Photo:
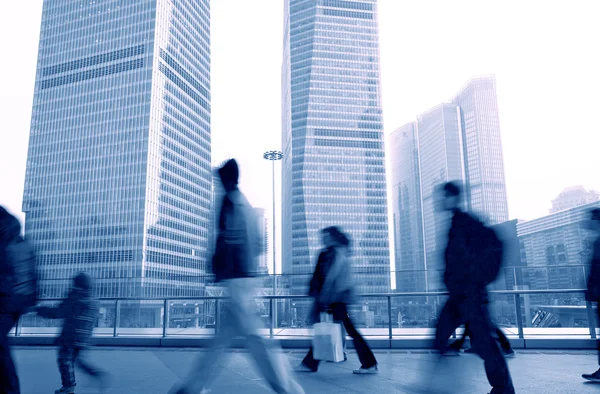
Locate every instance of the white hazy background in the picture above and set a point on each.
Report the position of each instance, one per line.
(544, 53)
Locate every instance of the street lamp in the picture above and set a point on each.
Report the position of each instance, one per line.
(273, 156)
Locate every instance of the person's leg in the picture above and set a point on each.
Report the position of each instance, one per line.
(486, 347)
(9, 380)
(270, 359)
(459, 343)
(449, 320)
(310, 362)
(65, 365)
(365, 355)
(503, 341)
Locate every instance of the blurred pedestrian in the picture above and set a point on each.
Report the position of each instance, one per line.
(593, 285)
(502, 340)
(79, 312)
(18, 288)
(234, 265)
(333, 290)
(466, 276)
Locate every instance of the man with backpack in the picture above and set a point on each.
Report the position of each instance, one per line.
(18, 287)
(234, 264)
(473, 257)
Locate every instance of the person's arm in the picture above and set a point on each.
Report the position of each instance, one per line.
(56, 312)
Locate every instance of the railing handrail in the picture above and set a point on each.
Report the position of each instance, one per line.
(298, 296)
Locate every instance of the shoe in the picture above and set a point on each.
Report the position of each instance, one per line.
(451, 353)
(304, 368)
(180, 390)
(366, 371)
(594, 377)
(65, 390)
(510, 354)
(470, 351)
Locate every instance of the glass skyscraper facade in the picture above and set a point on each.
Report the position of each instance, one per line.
(333, 142)
(118, 180)
(440, 160)
(457, 141)
(407, 210)
(483, 149)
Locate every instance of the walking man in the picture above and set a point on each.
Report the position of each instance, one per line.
(464, 278)
(234, 265)
(593, 285)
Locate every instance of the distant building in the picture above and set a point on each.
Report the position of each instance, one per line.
(574, 196)
(263, 227)
(484, 164)
(456, 141)
(555, 249)
(440, 148)
(406, 208)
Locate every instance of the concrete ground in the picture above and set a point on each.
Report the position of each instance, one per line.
(155, 370)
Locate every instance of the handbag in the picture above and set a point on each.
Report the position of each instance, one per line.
(327, 341)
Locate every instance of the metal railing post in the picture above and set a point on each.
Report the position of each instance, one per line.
(389, 303)
(271, 316)
(18, 327)
(591, 319)
(165, 318)
(217, 315)
(117, 318)
(519, 315)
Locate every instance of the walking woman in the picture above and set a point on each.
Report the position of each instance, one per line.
(332, 289)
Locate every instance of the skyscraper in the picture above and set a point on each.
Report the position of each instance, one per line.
(484, 169)
(118, 179)
(263, 228)
(458, 141)
(440, 160)
(333, 143)
(406, 208)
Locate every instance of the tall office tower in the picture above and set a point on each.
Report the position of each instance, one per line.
(440, 160)
(484, 168)
(118, 179)
(573, 196)
(406, 208)
(333, 142)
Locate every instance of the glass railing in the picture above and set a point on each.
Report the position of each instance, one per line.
(520, 313)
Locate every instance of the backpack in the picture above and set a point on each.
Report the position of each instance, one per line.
(491, 250)
(22, 280)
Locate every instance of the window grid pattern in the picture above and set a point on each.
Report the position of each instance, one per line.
(95, 174)
(333, 144)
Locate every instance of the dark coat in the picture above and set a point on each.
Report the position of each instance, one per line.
(238, 243)
(461, 276)
(80, 314)
(331, 282)
(593, 285)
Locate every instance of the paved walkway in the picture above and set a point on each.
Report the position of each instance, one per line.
(149, 371)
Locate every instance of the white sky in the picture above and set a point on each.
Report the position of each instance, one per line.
(545, 55)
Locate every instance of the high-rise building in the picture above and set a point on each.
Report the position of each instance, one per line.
(458, 141)
(118, 179)
(406, 208)
(263, 228)
(573, 196)
(484, 164)
(440, 148)
(333, 142)
(557, 248)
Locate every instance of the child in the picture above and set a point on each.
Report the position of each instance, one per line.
(80, 313)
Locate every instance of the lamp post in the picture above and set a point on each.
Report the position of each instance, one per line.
(273, 156)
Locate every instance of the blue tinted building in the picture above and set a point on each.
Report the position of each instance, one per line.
(118, 179)
(333, 142)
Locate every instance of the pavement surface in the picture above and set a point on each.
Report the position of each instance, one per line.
(155, 370)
